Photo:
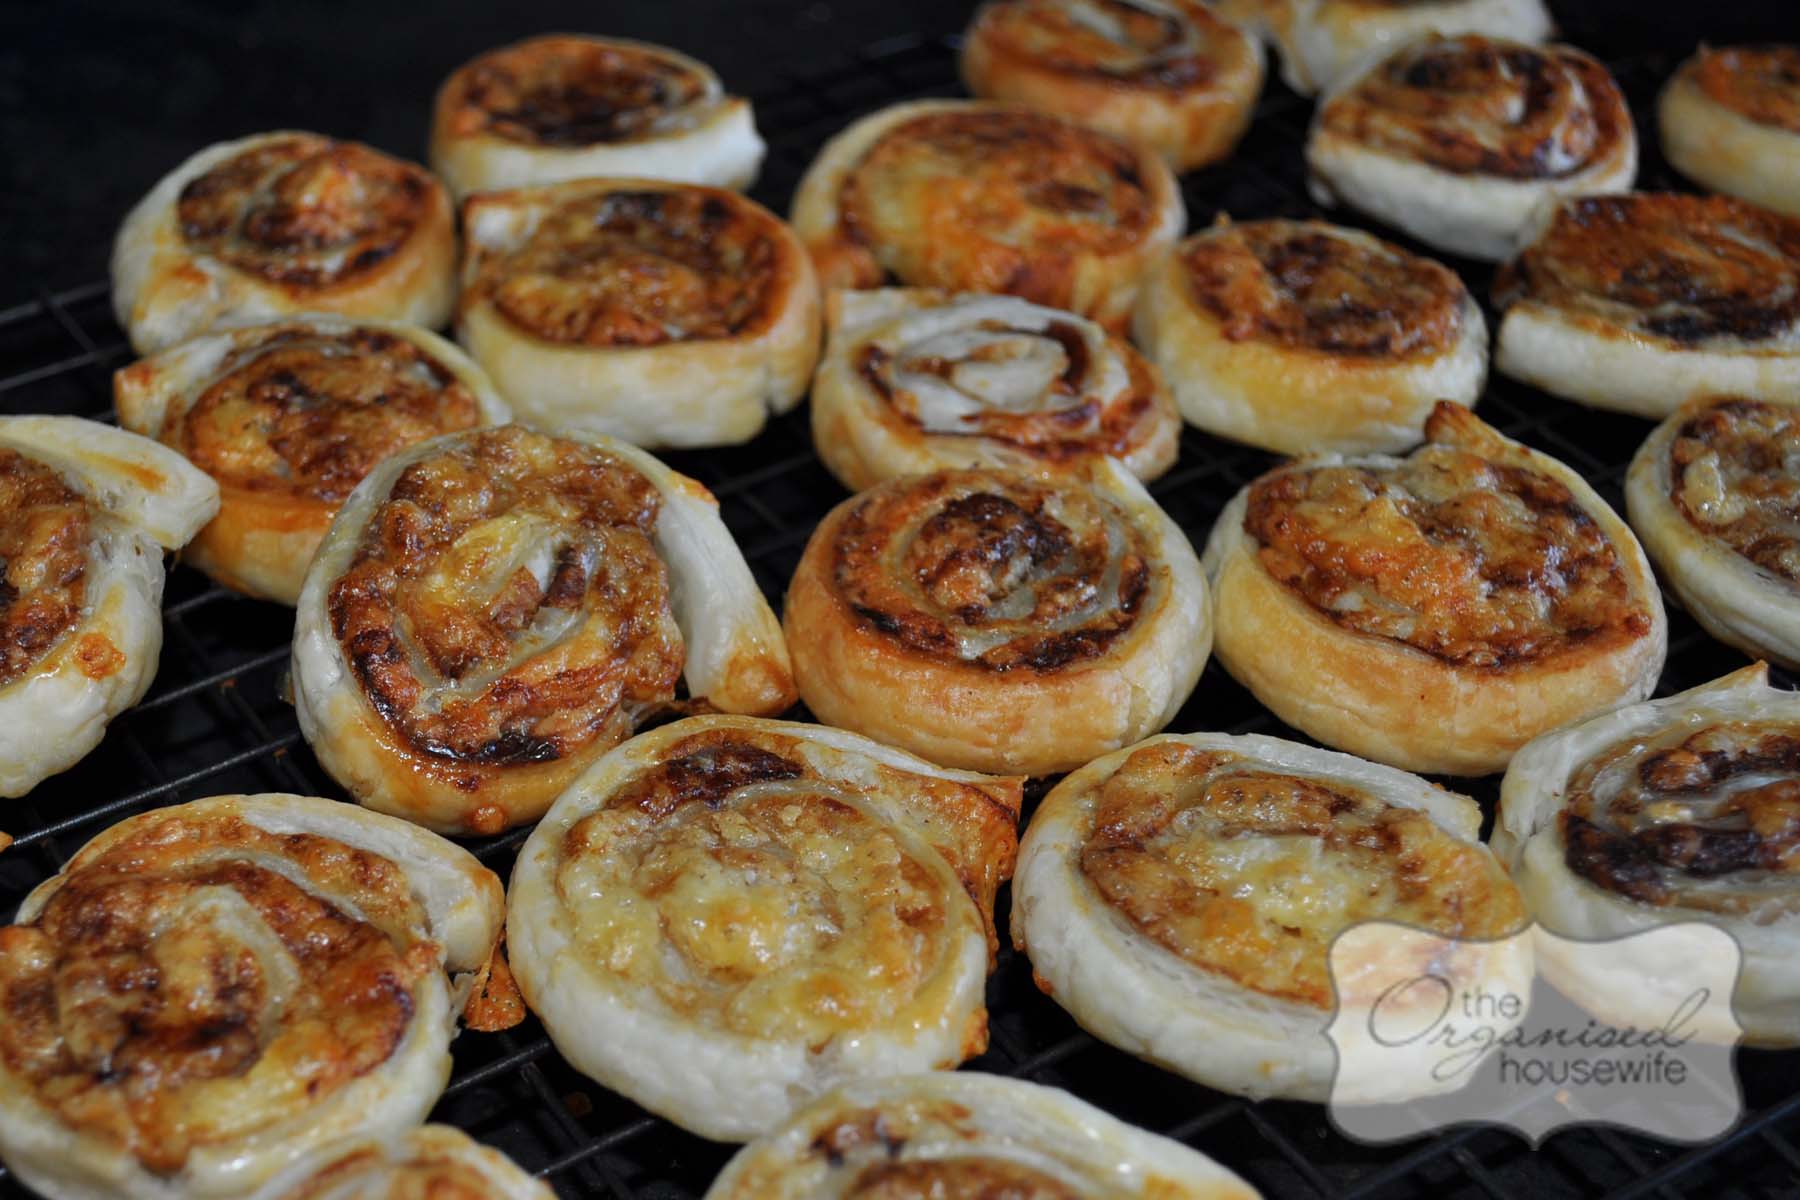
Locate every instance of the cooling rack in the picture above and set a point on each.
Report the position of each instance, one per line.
(215, 721)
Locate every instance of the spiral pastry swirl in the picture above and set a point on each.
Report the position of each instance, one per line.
(729, 915)
(1032, 622)
(1730, 119)
(493, 610)
(283, 223)
(207, 992)
(437, 1162)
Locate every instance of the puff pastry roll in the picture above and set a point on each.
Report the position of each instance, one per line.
(566, 106)
(1458, 140)
(967, 1135)
(435, 1161)
(1180, 897)
(983, 197)
(661, 313)
(283, 223)
(86, 511)
(1028, 623)
(1681, 809)
(727, 916)
(916, 380)
(1639, 303)
(491, 611)
(1434, 612)
(1730, 120)
(209, 992)
(1167, 73)
(1298, 336)
(287, 417)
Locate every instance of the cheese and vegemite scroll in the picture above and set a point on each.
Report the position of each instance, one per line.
(1458, 140)
(974, 196)
(1639, 303)
(566, 106)
(1167, 73)
(1730, 120)
(966, 1134)
(1681, 809)
(727, 916)
(997, 620)
(916, 380)
(208, 992)
(278, 224)
(1299, 336)
(665, 314)
(1180, 898)
(287, 417)
(491, 611)
(1438, 611)
(438, 1162)
(86, 511)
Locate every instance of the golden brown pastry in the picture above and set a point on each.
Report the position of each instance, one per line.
(1437, 611)
(491, 611)
(206, 993)
(661, 313)
(999, 621)
(287, 417)
(278, 224)
(727, 916)
(568, 106)
(432, 1162)
(916, 380)
(1639, 303)
(1458, 140)
(1168, 73)
(1297, 336)
(980, 197)
(1730, 120)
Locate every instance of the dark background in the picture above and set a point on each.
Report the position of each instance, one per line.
(98, 100)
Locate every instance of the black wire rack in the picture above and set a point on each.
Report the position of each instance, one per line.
(215, 722)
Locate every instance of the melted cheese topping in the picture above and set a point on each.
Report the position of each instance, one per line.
(304, 211)
(1708, 821)
(1475, 105)
(995, 570)
(1307, 286)
(1734, 471)
(1761, 83)
(45, 527)
(1171, 47)
(1250, 873)
(507, 604)
(368, 1174)
(970, 1178)
(1694, 271)
(202, 980)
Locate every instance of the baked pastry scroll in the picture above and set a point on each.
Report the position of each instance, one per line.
(727, 916)
(278, 224)
(435, 1161)
(209, 992)
(1730, 120)
(1438, 611)
(491, 611)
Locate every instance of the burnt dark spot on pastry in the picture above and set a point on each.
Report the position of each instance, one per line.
(571, 92)
(707, 769)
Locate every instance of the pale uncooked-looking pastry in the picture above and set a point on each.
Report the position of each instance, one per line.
(965, 1134)
(915, 380)
(1638, 303)
(974, 196)
(207, 993)
(727, 916)
(1458, 140)
(1730, 119)
(287, 417)
(86, 511)
(1299, 336)
(278, 224)
(1000, 621)
(432, 1162)
(1180, 898)
(1437, 611)
(1681, 809)
(568, 106)
(1168, 73)
(665, 314)
(491, 611)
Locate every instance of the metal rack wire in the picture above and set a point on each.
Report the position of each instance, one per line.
(215, 722)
